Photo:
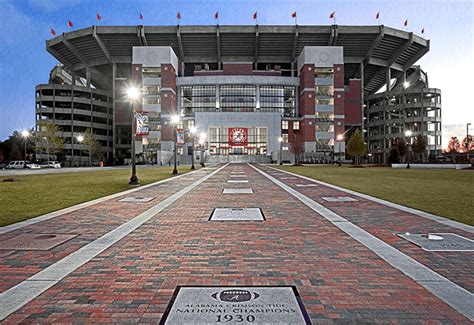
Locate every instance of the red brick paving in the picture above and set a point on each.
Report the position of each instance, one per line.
(385, 222)
(134, 280)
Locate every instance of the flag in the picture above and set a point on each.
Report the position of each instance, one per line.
(178, 15)
(98, 17)
(255, 15)
(53, 32)
(332, 15)
(422, 30)
(377, 16)
(141, 16)
(216, 15)
(405, 23)
(293, 15)
(69, 23)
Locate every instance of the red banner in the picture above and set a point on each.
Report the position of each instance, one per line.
(238, 136)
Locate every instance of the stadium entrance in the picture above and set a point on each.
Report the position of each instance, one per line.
(238, 140)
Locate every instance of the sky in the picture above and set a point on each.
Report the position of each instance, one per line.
(25, 26)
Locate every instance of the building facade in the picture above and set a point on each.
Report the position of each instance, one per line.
(236, 89)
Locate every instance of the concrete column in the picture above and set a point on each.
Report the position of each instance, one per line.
(257, 95)
(388, 77)
(366, 135)
(114, 75)
(88, 76)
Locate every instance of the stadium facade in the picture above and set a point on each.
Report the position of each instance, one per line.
(243, 88)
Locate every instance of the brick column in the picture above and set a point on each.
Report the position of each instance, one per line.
(168, 100)
(307, 106)
(339, 117)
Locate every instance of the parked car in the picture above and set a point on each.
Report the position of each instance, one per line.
(51, 164)
(3, 165)
(33, 166)
(16, 164)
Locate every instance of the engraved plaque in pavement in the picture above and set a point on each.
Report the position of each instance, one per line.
(446, 242)
(132, 199)
(35, 242)
(237, 305)
(306, 185)
(238, 175)
(237, 214)
(237, 191)
(339, 199)
(237, 181)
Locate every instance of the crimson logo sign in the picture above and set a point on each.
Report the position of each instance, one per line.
(235, 295)
(238, 136)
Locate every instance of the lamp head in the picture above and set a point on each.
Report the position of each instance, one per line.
(406, 84)
(80, 138)
(280, 139)
(133, 93)
(25, 133)
(175, 119)
(408, 133)
(193, 130)
(339, 137)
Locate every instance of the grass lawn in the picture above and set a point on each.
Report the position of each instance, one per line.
(447, 193)
(33, 195)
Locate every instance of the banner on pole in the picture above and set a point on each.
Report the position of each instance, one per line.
(180, 137)
(143, 126)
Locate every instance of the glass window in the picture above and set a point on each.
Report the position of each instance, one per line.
(324, 127)
(323, 72)
(152, 72)
(237, 98)
(278, 98)
(296, 125)
(284, 125)
(324, 90)
(197, 99)
(219, 142)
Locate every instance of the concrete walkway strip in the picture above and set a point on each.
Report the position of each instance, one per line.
(19, 295)
(439, 219)
(449, 292)
(73, 208)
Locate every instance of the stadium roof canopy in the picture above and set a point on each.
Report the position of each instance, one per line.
(377, 47)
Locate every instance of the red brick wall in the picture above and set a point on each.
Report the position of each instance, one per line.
(168, 99)
(353, 105)
(306, 102)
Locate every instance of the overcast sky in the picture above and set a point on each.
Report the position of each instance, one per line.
(25, 26)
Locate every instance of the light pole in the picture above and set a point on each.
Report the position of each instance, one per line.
(80, 139)
(408, 134)
(280, 139)
(201, 144)
(339, 139)
(133, 94)
(25, 134)
(175, 121)
(467, 141)
(193, 132)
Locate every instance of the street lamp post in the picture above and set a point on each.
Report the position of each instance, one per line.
(408, 134)
(175, 121)
(339, 139)
(25, 134)
(201, 144)
(193, 132)
(280, 139)
(133, 94)
(80, 139)
(467, 141)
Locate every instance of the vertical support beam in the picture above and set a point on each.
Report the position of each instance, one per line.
(256, 48)
(114, 131)
(219, 59)
(388, 78)
(88, 77)
(73, 77)
(363, 125)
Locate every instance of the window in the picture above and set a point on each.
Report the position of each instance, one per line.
(284, 125)
(197, 99)
(325, 101)
(151, 72)
(219, 142)
(296, 125)
(278, 98)
(237, 98)
(324, 90)
(324, 127)
(324, 116)
(323, 72)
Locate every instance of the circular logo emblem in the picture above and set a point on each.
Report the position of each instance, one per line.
(324, 56)
(238, 135)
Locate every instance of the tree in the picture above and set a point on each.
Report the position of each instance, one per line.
(453, 147)
(94, 148)
(356, 146)
(50, 139)
(402, 146)
(419, 145)
(465, 141)
(394, 155)
(297, 148)
(15, 153)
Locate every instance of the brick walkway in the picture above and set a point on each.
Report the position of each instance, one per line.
(337, 277)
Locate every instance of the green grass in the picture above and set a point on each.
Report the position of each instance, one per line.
(447, 193)
(33, 195)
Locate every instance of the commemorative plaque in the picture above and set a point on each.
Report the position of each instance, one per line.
(440, 242)
(236, 305)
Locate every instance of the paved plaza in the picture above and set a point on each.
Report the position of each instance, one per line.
(333, 255)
